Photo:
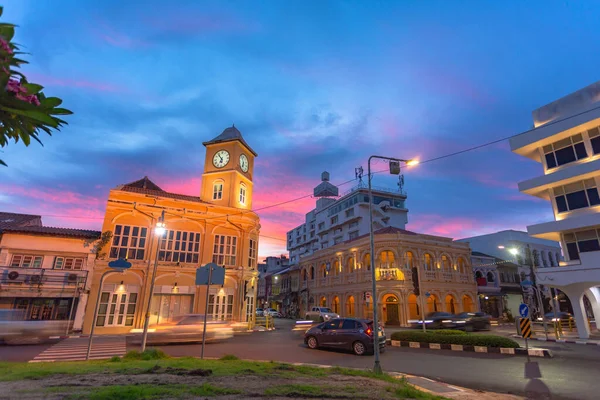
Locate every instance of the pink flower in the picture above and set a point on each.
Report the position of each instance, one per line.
(5, 46)
(15, 87)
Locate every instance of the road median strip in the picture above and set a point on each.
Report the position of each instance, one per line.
(477, 349)
(570, 341)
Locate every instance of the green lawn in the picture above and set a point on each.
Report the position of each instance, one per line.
(130, 378)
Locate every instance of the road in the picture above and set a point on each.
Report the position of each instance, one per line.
(572, 374)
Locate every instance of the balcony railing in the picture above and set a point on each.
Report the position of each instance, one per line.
(11, 277)
(364, 185)
(430, 275)
(447, 276)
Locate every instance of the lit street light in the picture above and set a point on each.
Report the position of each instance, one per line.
(394, 169)
(159, 230)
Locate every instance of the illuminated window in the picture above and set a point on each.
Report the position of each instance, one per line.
(218, 190)
(428, 262)
(252, 253)
(576, 195)
(180, 246)
(242, 194)
(224, 250)
(565, 151)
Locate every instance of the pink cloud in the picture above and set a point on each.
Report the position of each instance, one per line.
(117, 39)
(524, 197)
(457, 227)
(52, 196)
(488, 180)
(46, 80)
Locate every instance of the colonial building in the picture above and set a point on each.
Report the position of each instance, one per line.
(487, 277)
(340, 277)
(45, 271)
(217, 226)
(566, 142)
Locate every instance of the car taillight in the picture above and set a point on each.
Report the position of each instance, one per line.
(369, 332)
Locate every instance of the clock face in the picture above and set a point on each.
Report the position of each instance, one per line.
(221, 158)
(244, 163)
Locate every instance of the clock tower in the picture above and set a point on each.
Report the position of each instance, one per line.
(228, 168)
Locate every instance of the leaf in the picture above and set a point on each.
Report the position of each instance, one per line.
(32, 88)
(60, 111)
(8, 32)
(51, 102)
(36, 115)
(3, 163)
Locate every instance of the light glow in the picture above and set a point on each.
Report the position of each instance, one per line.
(513, 251)
(412, 162)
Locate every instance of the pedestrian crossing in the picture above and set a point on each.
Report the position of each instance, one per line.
(75, 349)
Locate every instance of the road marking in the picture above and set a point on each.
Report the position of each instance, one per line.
(75, 349)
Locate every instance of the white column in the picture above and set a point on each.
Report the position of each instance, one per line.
(581, 321)
(593, 295)
(80, 312)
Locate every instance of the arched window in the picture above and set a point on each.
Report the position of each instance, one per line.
(428, 260)
(451, 304)
(242, 193)
(335, 304)
(461, 265)
(409, 259)
(478, 275)
(217, 190)
(367, 261)
(323, 302)
(490, 277)
(312, 272)
(303, 274)
(446, 263)
(386, 259)
(350, 265)
(350, 306)
(337, 268)
(324, 270)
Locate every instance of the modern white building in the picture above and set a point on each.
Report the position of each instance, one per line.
(566, 142)
(336, 220)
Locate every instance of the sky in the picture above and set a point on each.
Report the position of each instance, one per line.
(312, 85)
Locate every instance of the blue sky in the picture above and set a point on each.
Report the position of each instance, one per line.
(312, 85)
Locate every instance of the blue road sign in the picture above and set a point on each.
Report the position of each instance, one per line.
(427, 294)
(526, 283)
(523, 310)
(120, 264)
(217, 276)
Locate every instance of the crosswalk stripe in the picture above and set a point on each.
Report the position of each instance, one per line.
(75, 349)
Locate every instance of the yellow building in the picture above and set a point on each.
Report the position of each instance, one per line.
(218, 226)
(339, 277)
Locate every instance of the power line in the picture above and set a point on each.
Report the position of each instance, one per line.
(375, 172)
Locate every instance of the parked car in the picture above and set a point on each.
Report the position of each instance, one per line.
(272, 312)
(560, 316)
(259, 312)
(439, 320)
(14, 329)
(187, 328)
(475, 321)
(321, 314)
(352, 334)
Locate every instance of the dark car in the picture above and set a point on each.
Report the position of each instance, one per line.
(345, 333)
(475, 321)
(560, 316)
(438, 320)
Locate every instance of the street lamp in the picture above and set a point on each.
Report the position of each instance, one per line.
(394, 169)
(159, 230)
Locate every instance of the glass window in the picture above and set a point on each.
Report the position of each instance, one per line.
(180, 246)
(353, 235)
(349, 324)
(350, 213)
(68, 263)
(333, 324)
(129, 242)
(594, 135)
(334, 219)
(26, 261)
(565, 151)
(576, 195)
(252, 253)
(243, 195)
(217, 190)
(224, 250)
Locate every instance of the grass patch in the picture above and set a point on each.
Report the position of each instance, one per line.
(229, 357)
(407, 391)
(115, 359)
(148, 354)
(464, 339)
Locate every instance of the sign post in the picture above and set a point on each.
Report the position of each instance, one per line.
(120, 265)
(525, 326)
(528, 284)
(210, 274)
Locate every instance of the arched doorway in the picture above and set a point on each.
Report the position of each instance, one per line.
(350, 306)
(391, 310)
(433, 303)
(323, 302)
(367, 261)
(335, 305)
(413, 307)
(468, 305)
(451, 304)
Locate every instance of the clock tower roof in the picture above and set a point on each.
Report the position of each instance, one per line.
(229, 135)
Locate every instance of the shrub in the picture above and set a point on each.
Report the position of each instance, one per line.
(148, 354)
(449, 332)
(115, 359)
(464, 339)
(229, 357)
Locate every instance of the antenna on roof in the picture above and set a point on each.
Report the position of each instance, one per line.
(358, 174)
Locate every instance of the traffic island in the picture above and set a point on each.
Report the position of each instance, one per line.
(154, 375)
(461, 341)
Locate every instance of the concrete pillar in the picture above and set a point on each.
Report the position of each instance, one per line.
(593, 295)
(581, 321)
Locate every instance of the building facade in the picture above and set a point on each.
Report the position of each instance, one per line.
(217, 226)
(487, 278)
(45, 271)
(340, 277)
(566, 142)
(335, 220)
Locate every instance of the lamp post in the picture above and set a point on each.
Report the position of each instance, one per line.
(394, 169)
(159, 230)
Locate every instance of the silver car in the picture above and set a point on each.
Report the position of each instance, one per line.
(188, 328)
(14, 329)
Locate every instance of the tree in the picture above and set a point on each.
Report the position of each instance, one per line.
(25, 111)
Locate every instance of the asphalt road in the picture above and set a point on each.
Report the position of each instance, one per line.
(572, 374)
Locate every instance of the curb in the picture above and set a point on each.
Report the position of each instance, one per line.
(477, 349)
(69, 336)
(572, 341)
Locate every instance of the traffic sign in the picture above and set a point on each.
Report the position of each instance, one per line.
(216, 275)
(120, 264)
(524, 310)
(427, 294)
(526, 283)
(525, 325)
